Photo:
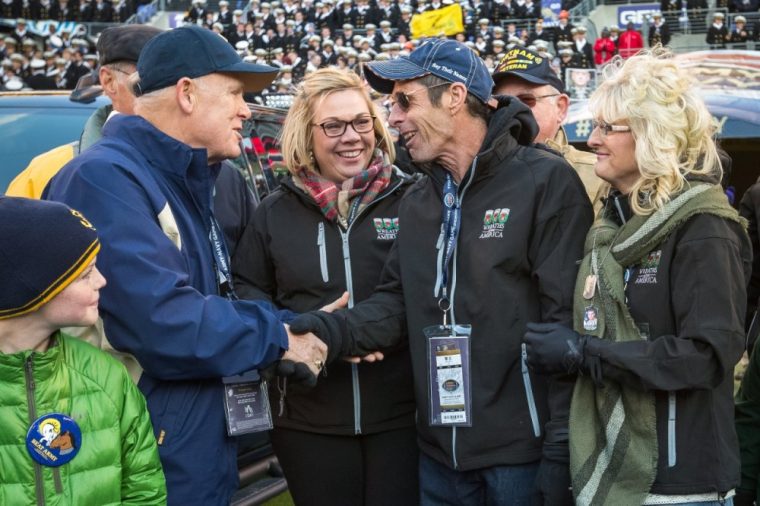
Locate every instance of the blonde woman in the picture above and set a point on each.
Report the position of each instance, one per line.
(351, 439)
(659, 302)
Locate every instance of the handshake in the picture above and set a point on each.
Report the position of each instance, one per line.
(307, 354)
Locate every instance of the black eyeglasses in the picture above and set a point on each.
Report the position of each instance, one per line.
(606, 128)
(531, 100)
(336, 127)
(402, 97)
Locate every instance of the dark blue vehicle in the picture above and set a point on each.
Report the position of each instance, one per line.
(34, 122)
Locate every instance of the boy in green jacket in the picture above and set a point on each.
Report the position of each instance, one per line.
(75, 430)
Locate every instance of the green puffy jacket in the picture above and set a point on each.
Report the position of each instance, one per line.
(118, 459)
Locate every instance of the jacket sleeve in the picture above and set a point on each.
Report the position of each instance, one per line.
(377, 323)
(563, 217)
(749, 208)
(150, 308)
(143, 479)
(747, 422)
(707, 299)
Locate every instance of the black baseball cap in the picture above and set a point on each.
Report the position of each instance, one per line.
(529, 66)
(190, 51)
(124, 43)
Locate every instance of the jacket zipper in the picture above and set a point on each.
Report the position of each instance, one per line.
(39, 485)
(350, 288)
(322, 251)
(529, 391)
(451, 298)
(671, 429)
(354, 367)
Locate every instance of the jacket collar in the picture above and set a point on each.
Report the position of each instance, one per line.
(163, 153)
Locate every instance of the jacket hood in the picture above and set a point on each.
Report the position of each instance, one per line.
(512, 118)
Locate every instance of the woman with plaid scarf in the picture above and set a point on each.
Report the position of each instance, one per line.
(350, 440)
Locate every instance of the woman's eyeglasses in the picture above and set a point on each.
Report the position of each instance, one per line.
(402, 97)
(531, 100)
(336, 127)
(606, 128)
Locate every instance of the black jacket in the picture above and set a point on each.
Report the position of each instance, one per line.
(502, 277)
(750, 209)
(688, 298)
(290, 254)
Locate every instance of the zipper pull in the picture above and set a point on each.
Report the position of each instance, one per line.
(282, 389)
(30, 373)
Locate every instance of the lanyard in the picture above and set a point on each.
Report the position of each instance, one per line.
(451, 221)
(221, 261)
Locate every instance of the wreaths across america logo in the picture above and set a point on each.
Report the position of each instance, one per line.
(493, 223)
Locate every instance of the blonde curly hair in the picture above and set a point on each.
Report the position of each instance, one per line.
(298, 130)
(673, 130)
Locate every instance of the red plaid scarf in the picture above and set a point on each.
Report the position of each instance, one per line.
(335, 201)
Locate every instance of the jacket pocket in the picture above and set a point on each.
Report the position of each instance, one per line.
(529, 392)
(322, 252)
(175, 401)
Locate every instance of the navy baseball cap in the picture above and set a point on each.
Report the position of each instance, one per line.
(448, 59)
(527, 65)
(193, 52)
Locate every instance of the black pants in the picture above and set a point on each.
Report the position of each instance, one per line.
(365, 470)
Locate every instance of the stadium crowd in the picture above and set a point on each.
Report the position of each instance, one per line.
(302, 36)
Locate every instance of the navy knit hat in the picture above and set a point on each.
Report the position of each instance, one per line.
(44, 246)
(445, 58)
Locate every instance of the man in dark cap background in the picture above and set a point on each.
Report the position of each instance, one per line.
(524, 74)
(147, 187)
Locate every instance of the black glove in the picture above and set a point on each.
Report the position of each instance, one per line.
(553, 484)
(329, 327)
(294, 371)
(553, 348)
(744, 497)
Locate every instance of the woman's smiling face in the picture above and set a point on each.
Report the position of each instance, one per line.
(342, 157)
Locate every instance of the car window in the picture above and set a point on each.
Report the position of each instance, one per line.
(28, 132)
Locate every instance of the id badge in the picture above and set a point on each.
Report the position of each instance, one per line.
(246, 404)
(449, 377)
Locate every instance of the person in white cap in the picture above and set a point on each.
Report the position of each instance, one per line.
(659, 33)
(740, 34)
(717, 33)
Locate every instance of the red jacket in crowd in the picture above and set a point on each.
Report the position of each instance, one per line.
(604, 50)
(629, 43)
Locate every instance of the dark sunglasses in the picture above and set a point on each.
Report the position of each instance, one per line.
(402, 97)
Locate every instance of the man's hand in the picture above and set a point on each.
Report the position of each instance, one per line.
(554, 348)
(338, 303)
(307, 349)
(375, 356)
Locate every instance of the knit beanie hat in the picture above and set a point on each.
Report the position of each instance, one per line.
(44, 246)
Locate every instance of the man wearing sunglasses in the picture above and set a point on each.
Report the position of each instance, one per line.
(525, 74)
(488, 242)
